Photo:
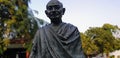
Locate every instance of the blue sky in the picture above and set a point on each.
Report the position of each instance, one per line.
(84, 13)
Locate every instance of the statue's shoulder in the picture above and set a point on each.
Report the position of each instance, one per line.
(45, 26)
(71, 28)
(70, 25)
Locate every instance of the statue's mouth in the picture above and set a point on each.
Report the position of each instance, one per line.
(54, 13)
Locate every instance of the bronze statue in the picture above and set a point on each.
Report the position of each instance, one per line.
(57, 39)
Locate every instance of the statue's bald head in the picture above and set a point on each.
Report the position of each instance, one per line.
(54, 2)
(54, 10)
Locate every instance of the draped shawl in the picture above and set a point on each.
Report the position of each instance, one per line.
(64, 42)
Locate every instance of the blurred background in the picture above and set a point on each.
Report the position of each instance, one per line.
(97, 21)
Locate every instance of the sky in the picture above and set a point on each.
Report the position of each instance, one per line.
(83, 13)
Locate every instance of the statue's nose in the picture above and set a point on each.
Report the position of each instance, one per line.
(53, 9)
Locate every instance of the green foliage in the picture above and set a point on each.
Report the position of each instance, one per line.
(112, 56)
(109, 26)
(17, 23)
(100, 39)
(88, 45)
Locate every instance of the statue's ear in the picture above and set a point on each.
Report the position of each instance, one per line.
(46, 12)
(63, 11)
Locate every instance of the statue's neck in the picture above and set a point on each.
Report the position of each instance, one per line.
(56, 21)
(56, 26)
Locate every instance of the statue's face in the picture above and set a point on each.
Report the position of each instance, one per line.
(54, 10)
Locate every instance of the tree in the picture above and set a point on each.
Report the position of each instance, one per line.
(88, 46)
(16, 22)
(103, 38)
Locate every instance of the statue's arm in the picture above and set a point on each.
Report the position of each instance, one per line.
(34, 50)
(78, 49)
(33, 53)
(82, 55)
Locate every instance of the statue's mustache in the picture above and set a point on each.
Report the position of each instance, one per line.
(53, 13)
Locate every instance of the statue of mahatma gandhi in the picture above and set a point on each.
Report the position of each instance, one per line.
(57, 39)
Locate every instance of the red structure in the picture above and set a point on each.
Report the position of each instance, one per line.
(16, 49)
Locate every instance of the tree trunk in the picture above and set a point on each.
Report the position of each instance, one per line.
(107, 55)
(89, 56)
